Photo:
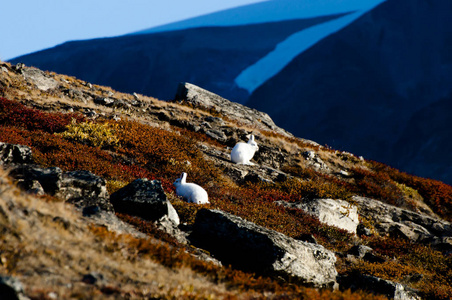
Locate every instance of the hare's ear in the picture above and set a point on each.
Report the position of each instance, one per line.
(183, 177)
(251, 138)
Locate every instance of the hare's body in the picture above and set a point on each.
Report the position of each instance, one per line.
(191, 192)
(242, 153)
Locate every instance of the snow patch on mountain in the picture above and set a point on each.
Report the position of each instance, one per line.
(271, 64)
(268, 11)
(275, 11)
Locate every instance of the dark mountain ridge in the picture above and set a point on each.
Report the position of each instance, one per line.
(358, 88)
(153, 64)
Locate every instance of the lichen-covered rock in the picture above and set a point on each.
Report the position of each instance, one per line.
(315, 161)
(250, 247)
(48, 178)
(15, 154)
(82, 188)
(337, 213)
(360, 250)
(202, 98)
(11, 288)
(42, 80)
(378, 286)
(403, 223)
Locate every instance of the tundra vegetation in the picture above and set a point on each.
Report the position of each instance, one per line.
(129, 147)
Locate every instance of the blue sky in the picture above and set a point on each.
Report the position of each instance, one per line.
(30, 25)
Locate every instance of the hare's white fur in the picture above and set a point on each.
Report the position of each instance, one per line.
(190, 191)
(242, 153)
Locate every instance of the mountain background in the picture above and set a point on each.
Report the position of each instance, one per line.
(374, 79)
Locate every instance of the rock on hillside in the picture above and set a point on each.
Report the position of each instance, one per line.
(199, 97)
(247, 246)
(401, 223)
(145, 199)
(337, 212)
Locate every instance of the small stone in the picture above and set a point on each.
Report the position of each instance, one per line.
(11, 288)
(90, 210)
(104, 101)
(363, 230)
(91, 114)
(306, 237)
(92, 278)
(31, 186)
(360, 250)
(15, 154)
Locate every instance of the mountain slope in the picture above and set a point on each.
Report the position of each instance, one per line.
(357, 89)
(426, 141)
(67, 126)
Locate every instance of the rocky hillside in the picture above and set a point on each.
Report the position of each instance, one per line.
(88, 208)
(359, 89)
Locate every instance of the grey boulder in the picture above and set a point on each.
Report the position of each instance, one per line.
(41, 79)
(338, 213)
(84, 189)
(406, 224)
(81, 188)
(15, 154)
(247, 246)
(146, 199)
(378, 286)
(200, 97)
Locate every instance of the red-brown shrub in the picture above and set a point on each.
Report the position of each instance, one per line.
(436, 194)
(377, 185)
(15, 114)
(165, 153)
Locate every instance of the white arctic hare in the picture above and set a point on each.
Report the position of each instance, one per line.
(242, 153)
(190, 191)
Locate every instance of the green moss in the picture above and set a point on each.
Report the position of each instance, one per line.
(114, 185)
(408, 191)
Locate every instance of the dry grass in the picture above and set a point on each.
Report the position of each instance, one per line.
(49, 247)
